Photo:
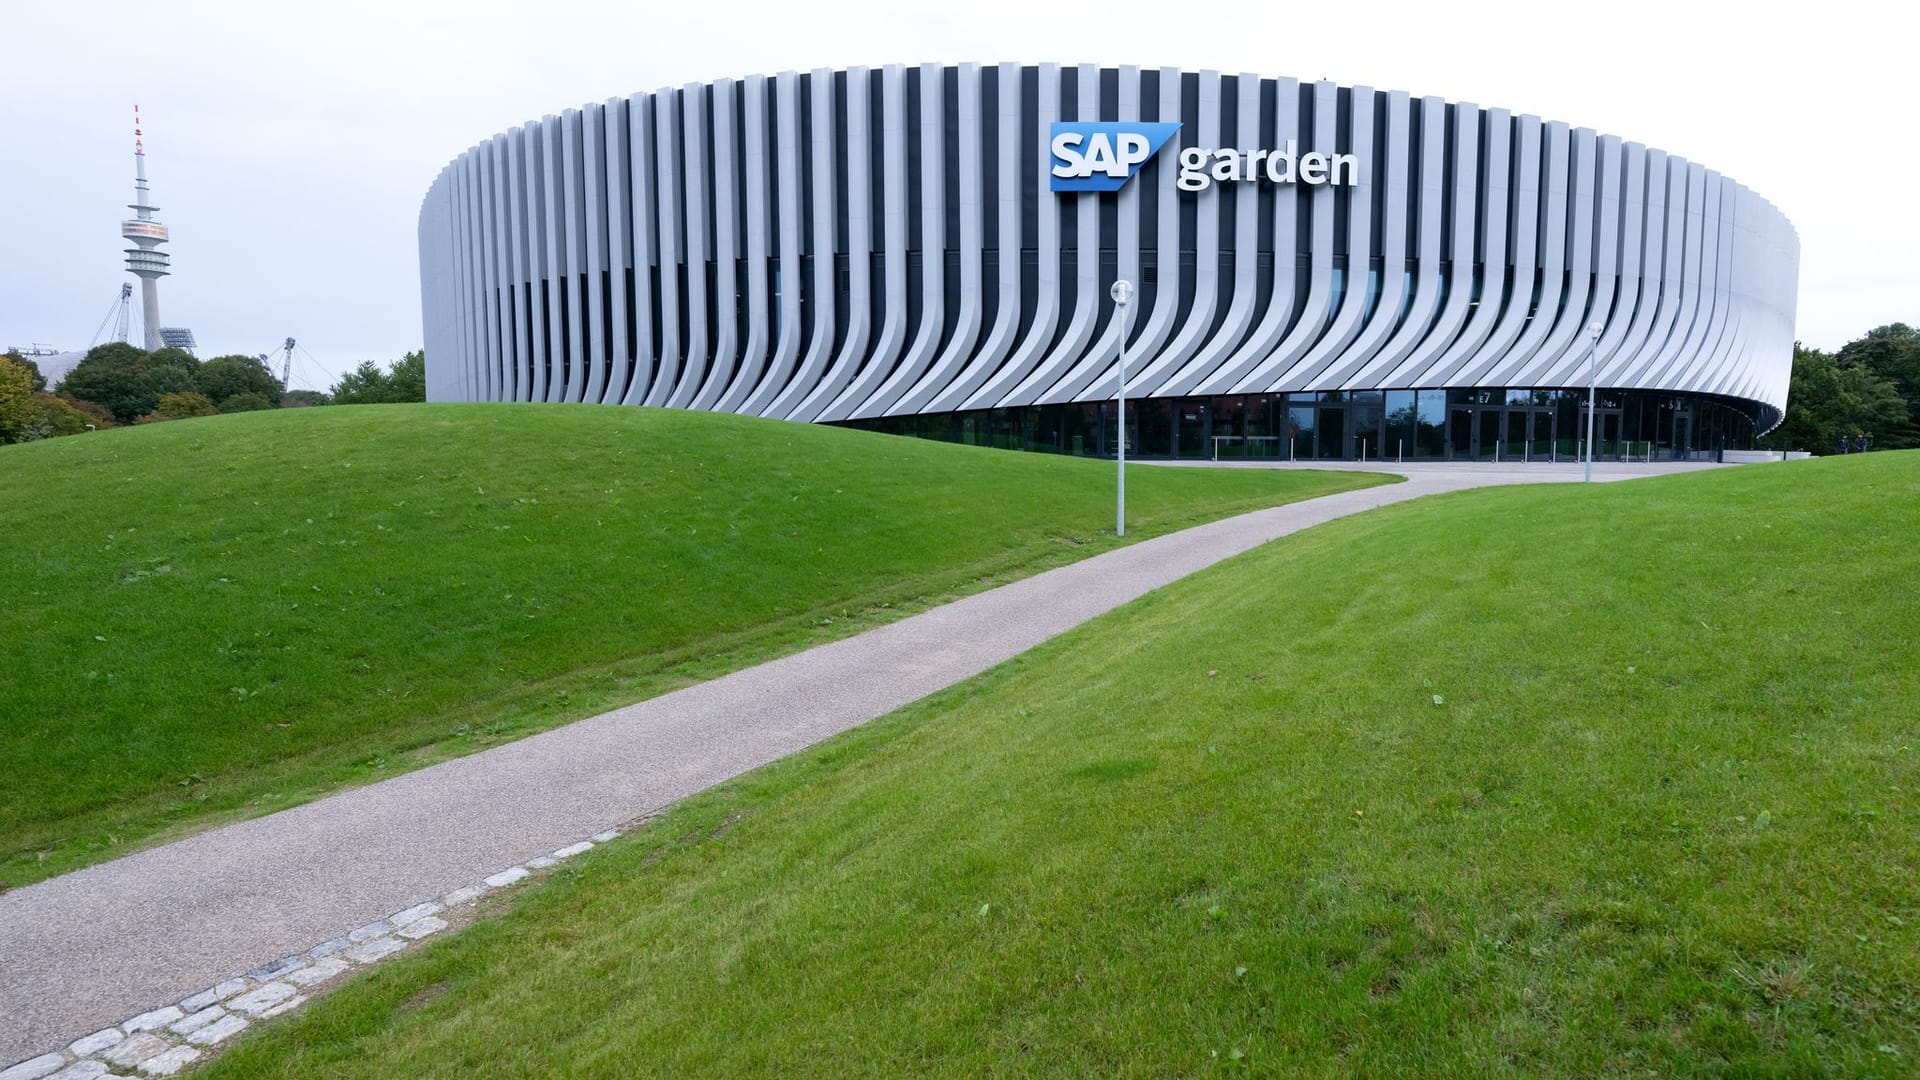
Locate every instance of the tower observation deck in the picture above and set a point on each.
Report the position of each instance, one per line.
(145, 260)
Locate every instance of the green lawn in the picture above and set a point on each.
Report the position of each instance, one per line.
(1569, 780)
(220, 617)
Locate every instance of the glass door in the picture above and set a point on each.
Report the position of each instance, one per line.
(1228, 437)
(1331, 440)
(1516, 448)
(1266, 427)
(1460, 434)
(1299, 432)
(1366, 414)
(1606, 434)
(1191, 429)
(1489, 428)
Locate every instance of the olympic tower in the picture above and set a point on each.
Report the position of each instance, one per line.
(145, 260)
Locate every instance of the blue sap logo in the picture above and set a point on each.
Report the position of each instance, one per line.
(1102, 157)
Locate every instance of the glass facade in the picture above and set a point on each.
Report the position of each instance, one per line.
(1481, 424)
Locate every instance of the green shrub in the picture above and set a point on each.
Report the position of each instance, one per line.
(247, 402)
(179, 407)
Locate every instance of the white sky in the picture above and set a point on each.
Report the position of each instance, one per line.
(289, 146)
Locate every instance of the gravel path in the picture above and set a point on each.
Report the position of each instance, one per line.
(89, 949)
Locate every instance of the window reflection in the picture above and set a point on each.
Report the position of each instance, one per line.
(1300, 431)
(1431, 438)
(1401, 435)
(1523, 424)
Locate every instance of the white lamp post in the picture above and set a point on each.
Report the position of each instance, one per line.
(1594, 330)
(1122, 293)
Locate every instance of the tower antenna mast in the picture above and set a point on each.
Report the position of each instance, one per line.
(145, 260)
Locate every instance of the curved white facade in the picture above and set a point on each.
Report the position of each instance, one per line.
(881, 243)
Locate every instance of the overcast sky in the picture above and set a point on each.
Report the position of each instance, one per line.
(289, 146)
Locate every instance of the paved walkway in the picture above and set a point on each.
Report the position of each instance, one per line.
(88, 949)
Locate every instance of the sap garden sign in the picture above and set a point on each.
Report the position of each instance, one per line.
(1095, 156)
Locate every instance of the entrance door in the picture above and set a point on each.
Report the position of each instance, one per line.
(1331, 433)
(1516, 448)
(1190, 436)
(1606, 434)
(1489, 427)
(1460, 434)
(1299, 432)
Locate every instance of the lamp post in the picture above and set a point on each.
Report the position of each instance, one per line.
(1594, 330)
(1122, 293)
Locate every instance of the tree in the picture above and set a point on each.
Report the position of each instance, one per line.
(39, 380)
(1812, 388)
(62, 417)
(1891, 353)
(1827, 400)
(300, 399)
(21, 418)
(247, 402)
(96, 414)
(1873, 407)
(408, 381)
(368, 385)
(224, 377)
(179, 406)
(129, 381)
(364, 385)
(168, 356)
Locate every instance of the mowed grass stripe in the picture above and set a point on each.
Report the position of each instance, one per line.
(1613, 780)
(221, 617)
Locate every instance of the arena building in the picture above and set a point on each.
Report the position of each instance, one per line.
(1319, 271)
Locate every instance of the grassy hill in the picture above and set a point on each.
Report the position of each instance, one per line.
(219, 617)
(1613, 780)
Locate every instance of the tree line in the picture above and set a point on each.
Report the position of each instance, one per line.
(118, 383)
(1870, 388)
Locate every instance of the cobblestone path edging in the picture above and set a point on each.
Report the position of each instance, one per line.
(165, 1040)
